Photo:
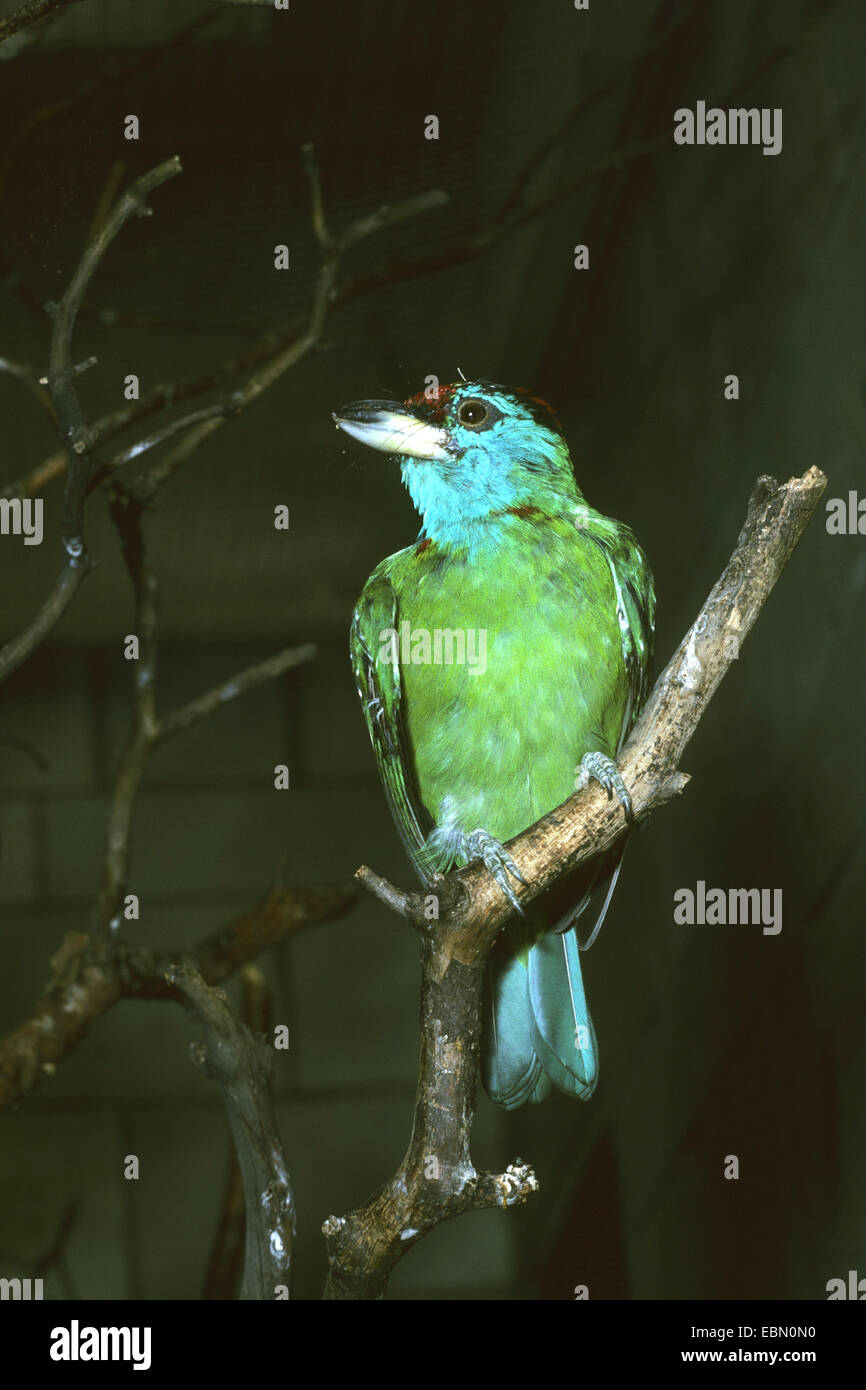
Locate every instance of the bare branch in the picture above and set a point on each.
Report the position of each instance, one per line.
(317, 205)
(226, 1259)
(513, 214)
(39, 477)
(18, 649)
(77, 438)
(164, 394)
(390, 213)
(266, 670)
(107, 196)
(147, 729)
(89, 976)
(242, 1064)
(70, 417)
(436, 1179)
(31, 13)
(301, 346)
(398, 901)
(126, 515)
(208, 412)
(80, 439)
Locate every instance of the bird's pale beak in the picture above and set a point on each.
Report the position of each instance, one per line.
(392, 428)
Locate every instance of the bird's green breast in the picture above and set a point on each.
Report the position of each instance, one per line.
(512, 668)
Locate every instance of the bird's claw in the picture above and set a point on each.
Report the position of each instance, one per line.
(498, 861)
(598, 767)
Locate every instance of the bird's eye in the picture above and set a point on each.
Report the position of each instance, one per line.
(473, 413)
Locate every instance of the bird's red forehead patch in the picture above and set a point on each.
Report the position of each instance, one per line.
(433, 401)
(538, 401)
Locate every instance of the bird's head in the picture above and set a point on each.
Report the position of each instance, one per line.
(468, 452)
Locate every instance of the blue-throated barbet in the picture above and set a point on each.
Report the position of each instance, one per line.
(501, 661)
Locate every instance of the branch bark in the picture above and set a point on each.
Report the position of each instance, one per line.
(226, 1260)
(242, 1063)
(30, 13)
(436, 1179)
(88, 976)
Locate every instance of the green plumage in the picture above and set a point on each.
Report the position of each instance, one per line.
(564, 599)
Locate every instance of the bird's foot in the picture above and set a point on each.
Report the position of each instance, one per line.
(598, 767)
(480, 845)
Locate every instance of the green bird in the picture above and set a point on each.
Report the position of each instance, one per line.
(501, 661)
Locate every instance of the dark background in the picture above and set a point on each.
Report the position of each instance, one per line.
(703, 262)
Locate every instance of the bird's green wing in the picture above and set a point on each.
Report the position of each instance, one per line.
(635, 604)
(380, 688)
(636, 610)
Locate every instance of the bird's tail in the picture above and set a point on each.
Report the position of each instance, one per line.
(539, 1032)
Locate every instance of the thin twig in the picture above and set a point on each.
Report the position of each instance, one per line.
(152, 441)
(70, 417)
(317, 205)
(107, 197)
(162, 395)
(127, 518)
(266, 670)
